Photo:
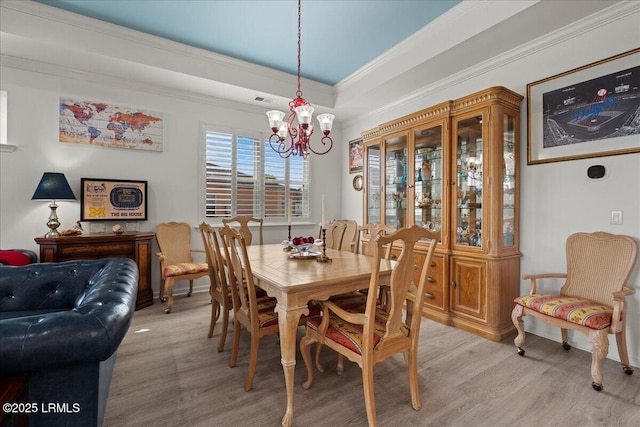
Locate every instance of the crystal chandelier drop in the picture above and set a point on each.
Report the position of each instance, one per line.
(299, 142)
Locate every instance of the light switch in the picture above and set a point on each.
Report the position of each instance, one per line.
(616, 217)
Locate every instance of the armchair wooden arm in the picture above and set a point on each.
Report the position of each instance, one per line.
(534, 277)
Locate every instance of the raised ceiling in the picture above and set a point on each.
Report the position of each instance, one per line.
(338, 37)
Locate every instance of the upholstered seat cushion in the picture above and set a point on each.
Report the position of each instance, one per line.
(348, 334)
(185, 268)
(575, 310)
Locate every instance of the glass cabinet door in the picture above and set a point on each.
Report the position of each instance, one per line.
(372, 188)
(469, 182)
(396, 182)
(428, 178)
(509, 182)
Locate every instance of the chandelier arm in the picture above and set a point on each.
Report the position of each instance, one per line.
(280, 148)
(330, 142)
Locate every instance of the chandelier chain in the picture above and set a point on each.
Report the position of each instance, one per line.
(299, 92)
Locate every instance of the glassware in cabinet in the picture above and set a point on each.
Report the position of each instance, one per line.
(373, 188)
(428, 177)
(469, 181)
(396, 182)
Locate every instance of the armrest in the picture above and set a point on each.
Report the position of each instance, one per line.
(90, 332)
(357, 318)
(625, 292)
(534, 277)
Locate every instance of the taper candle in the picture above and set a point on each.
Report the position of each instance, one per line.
(324, 203)
(289, 212)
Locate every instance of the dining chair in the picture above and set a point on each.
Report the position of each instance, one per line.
(349, 236)
(592, 299)
(370, 335)
(176, 259)
(366, 238)
(256, 313)
(243, 222)
(219, 290)
(333, 234)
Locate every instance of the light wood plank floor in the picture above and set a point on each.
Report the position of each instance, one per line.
(168, 373)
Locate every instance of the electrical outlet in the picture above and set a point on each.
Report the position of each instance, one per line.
(616, 217)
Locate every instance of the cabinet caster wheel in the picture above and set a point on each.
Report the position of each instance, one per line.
(520, 351)
(596, 386)
(167, 310)
(188, 294)
(627, 370)
(566, 345)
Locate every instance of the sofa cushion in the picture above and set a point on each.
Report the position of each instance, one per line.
(12, 257)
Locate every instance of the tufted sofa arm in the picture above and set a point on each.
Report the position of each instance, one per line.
(56, 314)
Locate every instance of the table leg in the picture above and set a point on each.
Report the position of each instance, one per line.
(288, 319)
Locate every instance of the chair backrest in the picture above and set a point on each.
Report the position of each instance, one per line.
(402, 324)
(174, 241)
(243, 224)
(598, 264)
(217, 273)
(349, 235)
(334, 235)
(370, 232)
(245, 305)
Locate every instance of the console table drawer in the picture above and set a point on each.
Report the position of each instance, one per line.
(103, 250)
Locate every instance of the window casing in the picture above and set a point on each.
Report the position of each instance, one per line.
(244, 176)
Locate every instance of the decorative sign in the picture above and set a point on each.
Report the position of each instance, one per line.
(113, 200)
(101, 124)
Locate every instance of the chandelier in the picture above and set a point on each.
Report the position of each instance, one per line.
(299, 135)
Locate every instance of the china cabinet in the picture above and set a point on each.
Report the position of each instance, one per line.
(453, 169)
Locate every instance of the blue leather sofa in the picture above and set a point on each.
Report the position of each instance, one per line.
(63, 323)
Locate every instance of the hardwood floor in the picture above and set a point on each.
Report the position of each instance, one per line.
(168, 373)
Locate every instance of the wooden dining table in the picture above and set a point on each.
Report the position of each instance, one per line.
(295, 282)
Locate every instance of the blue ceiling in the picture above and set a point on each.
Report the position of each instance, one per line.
(338, 36)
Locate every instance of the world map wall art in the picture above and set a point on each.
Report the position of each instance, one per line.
(104, 125)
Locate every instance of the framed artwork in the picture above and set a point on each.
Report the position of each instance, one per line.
(113, 200)
(356, 156)
(106, 125)
(591, 111)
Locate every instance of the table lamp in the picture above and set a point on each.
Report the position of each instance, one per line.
(53, 186)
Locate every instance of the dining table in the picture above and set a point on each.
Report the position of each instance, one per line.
(296, 280)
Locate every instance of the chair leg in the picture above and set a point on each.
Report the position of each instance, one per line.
(190, 288)
(600, 348)
(305, 350)
(412, 361)
(253, 361)
(169, 285)
(565, 339)
(516, 318)
(236, 344)
(340, 365)
(161, 294)
(225, 327)
(369, 396)
(319, 366)
(621, 342)
(215, 314)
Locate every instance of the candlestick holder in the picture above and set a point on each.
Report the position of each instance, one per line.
(324, 257)
(288, 247)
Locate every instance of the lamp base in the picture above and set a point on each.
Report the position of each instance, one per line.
(53, 222)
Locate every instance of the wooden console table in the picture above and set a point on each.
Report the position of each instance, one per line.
(136, 246)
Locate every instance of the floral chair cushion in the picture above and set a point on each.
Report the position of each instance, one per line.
(575, 310)
(185, 268)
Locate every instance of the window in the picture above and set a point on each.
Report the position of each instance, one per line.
(244, 176)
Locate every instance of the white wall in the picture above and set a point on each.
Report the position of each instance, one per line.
(557, 199)
(174, 176)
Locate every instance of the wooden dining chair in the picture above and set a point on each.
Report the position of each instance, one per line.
(243, 223)
(349, 236)
(333, 235)
(592, 299)
(221, 303)
(256, 313)
(176, 259)
(366, 238)
(369, 336)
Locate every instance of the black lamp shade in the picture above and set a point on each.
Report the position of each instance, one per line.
(53, 186)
